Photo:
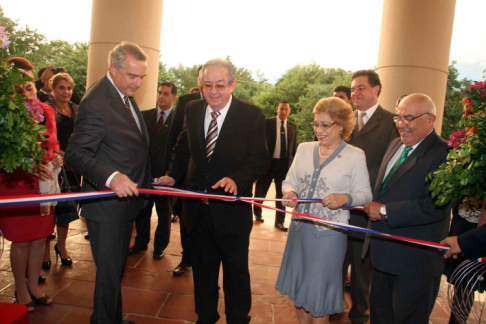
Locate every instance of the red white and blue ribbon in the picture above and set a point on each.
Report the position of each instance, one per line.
(7, 201)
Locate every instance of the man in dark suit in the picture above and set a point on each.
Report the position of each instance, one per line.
(406, 277)
(472, 243)
(223, 150)
(109, 148)
(374, 131)
(158, 121)
(185, 225)
(281, 136)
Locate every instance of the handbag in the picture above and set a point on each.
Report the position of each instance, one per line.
(67, 211)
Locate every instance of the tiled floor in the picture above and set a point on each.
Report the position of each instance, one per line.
(152, 295)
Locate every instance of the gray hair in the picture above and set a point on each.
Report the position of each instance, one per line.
(221, 63)
(119, 53)
(424, 101)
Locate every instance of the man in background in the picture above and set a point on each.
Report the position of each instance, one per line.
(281, 136)
(158, 121)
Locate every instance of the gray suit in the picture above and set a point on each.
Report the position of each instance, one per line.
(106, 139)
(374, 138)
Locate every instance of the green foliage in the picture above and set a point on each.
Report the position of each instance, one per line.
(452, 106)
(464, 173)
(19, 134)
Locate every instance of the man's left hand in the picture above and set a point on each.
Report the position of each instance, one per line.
(373, 210)
(227, 184)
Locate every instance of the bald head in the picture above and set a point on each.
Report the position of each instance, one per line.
(415, 118)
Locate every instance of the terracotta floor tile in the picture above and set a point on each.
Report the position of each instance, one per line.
(142, 301)
(78, 293)
(168, 263)
(80, 270)
(259, 245)
(265, 258)
(138, 278)
(261, 313)
(277, 246)
(151, 320)
(179, 307)
(81, 314)
(165, 281)
(273, 274)
(284, 314)
(49, 314)
(259, 273)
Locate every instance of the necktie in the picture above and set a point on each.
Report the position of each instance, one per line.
(127, 104)
(400, 160)
(212, 135)
(160, 123)
(283, 142)
(361, 121)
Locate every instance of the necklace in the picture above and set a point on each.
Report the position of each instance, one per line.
(321, 155)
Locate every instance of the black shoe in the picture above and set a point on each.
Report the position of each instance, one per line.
(46, 265)
(66, 262)
(174, 218)
(41, 300)
(136, 249)
(158, 255)
(259, 219)
(86, 236)
(181, 268)
(281, 227)
(41, 280)
(52, 236)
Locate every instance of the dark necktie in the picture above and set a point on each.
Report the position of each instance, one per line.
(127, 104)
(212, 135)
(400, 160)
(160, 123)
(283, 142)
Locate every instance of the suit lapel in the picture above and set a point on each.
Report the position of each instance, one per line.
(386, 159)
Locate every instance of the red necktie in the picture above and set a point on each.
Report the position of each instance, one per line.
(160, 123)
(127, 104)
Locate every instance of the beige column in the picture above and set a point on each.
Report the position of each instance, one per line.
(414, 50)
(138, 21)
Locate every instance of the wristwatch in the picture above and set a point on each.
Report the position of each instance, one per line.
(383, 213)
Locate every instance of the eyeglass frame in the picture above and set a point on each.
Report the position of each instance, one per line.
(407, 120)
(316, 125)
(209, 86)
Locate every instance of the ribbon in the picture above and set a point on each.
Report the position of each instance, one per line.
(171, 191)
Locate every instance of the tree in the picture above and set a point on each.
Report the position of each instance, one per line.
(452, 106)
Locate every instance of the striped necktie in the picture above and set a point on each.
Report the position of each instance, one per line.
(160, 123)
(127, 104)
(400, 160)
(212, 135)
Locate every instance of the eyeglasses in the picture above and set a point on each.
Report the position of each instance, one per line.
(217, 86)
(407, 119)
(324, 125)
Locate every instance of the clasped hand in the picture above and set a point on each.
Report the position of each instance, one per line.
(123, 186)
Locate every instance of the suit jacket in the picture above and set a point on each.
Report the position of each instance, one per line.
(411, 213)
(158, 142)
(240, 154)
(271, 133)
(374, 138)
(178, 123)
(473, 242)
(106, 139)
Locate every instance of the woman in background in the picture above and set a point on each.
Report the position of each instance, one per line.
(62, 86)
(24, 225)
(336, 172)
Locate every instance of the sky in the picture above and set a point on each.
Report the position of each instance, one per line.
(269, 36)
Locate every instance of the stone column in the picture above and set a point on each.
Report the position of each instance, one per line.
(113, 21)
(414, 50)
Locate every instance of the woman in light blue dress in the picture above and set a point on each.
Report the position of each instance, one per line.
(336, 172)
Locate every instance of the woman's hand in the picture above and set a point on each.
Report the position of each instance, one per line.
(292, 199)
(43, 172)
(335, 201)
(57, 160)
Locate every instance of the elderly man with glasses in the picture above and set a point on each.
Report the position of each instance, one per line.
(406, 277)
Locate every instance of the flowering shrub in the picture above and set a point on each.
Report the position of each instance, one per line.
(20, 131)
(464, 172)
